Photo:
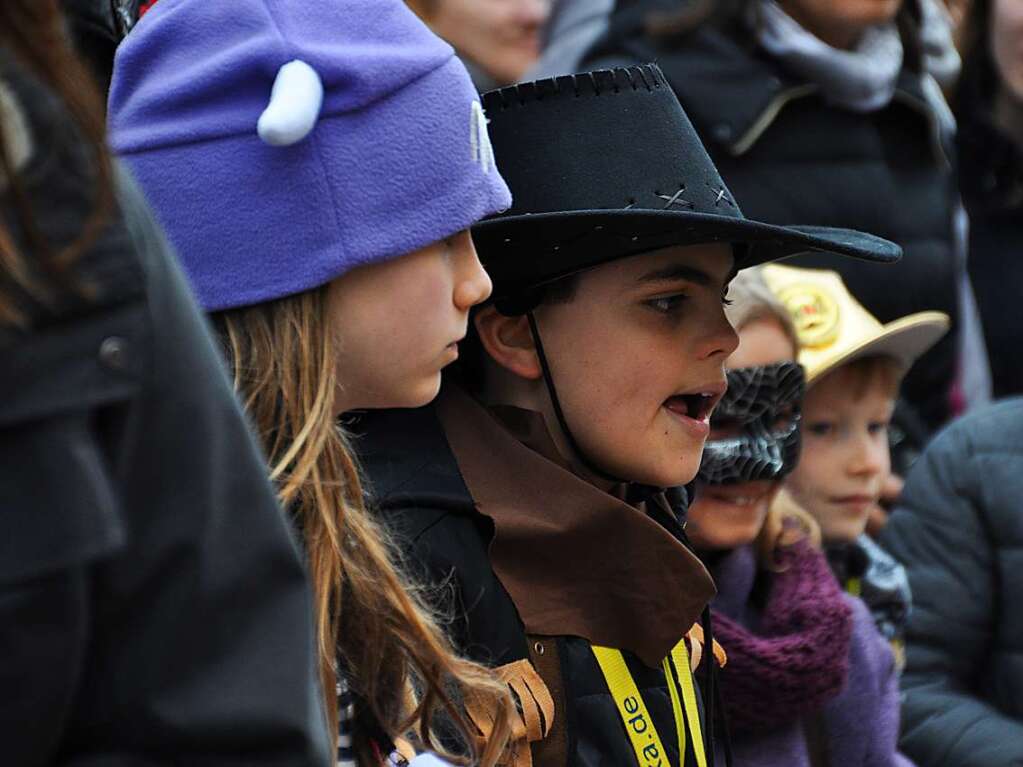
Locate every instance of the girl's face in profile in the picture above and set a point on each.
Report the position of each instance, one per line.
(397, 324)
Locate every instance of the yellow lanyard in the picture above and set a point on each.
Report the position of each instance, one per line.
(639, 725)
(854, 586)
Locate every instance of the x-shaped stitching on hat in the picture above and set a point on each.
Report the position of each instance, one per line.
(722, 196)
(676, 199)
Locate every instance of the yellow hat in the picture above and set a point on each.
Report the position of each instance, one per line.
(835, 329)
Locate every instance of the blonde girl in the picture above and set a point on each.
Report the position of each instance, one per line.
(802, 683)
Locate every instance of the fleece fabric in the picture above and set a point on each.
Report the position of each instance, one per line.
(857, 725)
(399, 158)
(798, 656)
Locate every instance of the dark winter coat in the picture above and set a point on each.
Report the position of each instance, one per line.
(97, 28)
(959, 532)
(449, 541)
(789, 156)
(992, 183)
(153, 605)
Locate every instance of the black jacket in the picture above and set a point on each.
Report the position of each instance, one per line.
(422, 498)
(790, 157)
(153, 604)
(97, 28)
(959, 533)
(992, 183)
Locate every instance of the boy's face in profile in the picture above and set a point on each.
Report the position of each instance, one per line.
(637, 356)
(845, 458)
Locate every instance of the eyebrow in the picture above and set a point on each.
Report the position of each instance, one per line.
(675, 272)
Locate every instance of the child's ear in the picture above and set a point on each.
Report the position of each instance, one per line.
(509, 342)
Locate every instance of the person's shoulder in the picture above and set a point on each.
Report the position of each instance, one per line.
(870, 655)
(407, 461)
(996, 428)
(414, 484)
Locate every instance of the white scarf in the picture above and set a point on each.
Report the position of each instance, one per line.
(862, 79)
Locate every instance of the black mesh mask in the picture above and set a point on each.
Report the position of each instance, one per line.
(759, 416)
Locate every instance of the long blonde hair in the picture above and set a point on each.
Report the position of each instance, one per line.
(367, 617)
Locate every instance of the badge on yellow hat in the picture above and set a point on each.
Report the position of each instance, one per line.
(834, 328)
(814, 312)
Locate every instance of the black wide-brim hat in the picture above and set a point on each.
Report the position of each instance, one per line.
(606, 165)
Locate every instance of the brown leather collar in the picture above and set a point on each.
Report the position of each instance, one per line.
(575, 560)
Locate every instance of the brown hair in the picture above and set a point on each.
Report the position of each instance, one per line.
(422, 8)
(865, 372)
(33, 31)
(284, 361)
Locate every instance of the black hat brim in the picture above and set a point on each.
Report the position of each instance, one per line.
(529, 250)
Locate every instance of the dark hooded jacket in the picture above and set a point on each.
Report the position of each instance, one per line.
(791, 157)
(512, 595)
(992, 182)
(153, 605)
(959, 532)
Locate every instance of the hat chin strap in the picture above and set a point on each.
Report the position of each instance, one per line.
(710, 690)
(552, 392)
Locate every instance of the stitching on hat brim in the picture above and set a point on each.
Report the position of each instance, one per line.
(846, 242)
(599, 82)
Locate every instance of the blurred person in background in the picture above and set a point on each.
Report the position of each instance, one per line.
(808, 680)
(821, 112)
(498, 40)
(989, 107)
(317, 167)
(97, 28)
(853, 368)
(958, 530)
(153, 604)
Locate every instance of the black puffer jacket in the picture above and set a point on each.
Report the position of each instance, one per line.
(791, 157)
(959, 533)
(153, 606)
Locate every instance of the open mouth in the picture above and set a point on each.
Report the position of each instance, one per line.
(695, 406)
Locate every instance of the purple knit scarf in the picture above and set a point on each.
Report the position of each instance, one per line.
(798, 659)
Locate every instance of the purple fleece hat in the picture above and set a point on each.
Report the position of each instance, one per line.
(398, 158)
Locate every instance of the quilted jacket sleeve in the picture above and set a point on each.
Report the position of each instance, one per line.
(950, 534)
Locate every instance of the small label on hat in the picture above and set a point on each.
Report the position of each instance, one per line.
(814, 312)
(479, 138)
